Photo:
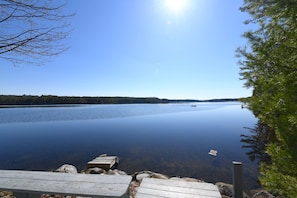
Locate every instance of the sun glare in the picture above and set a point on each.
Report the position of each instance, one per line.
(175, 5)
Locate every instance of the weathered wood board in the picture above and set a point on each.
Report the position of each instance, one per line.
(105, 162)
(150, 188)
(37, 182)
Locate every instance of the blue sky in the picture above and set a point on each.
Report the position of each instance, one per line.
(142, 48)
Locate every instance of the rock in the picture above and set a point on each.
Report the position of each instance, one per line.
(189, 179)
(141, 176)
(263, 194)
(226, 190)
(95, 170)
(6, 194)
(159, 176)
(67, 168)
(116, 172)
(176, 178)
(134, 185)
(141, 172)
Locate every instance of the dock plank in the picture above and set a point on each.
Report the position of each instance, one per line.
(105, 162)
(64, 183)
(171, 188)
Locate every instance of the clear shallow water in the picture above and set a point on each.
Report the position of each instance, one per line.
(169, 138)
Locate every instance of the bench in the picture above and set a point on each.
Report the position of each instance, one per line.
(31, 184)
(160, 188)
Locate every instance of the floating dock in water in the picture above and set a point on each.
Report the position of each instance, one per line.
(213, 152)
(104, 161)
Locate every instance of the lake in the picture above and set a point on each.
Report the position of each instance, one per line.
(173, 139)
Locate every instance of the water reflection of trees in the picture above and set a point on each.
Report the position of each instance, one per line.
(257, 141)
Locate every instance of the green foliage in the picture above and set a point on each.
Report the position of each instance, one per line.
(280, 176)
(269, 66)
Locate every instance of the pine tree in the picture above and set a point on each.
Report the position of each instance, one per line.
(269, 66)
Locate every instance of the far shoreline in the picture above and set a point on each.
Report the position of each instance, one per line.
(11, 101)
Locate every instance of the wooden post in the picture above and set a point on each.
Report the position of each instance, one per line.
(237, 180)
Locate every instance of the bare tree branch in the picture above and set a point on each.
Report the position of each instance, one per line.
(32, 30)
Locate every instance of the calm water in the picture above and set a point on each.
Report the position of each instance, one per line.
(169, 138)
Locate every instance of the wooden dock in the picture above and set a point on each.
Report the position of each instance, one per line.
(159, 188)
(27, 184)
(31, 184)
(104, 161)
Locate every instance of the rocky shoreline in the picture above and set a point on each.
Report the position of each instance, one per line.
(225, 189)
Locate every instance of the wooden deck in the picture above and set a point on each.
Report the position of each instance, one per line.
(105, 162)
(159, 188)
(35, 183)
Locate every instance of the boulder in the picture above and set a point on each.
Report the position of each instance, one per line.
(6, 194)
(226, 190)
(116, 172)
(141, 176)
(134, 185)
(263, 194)
(95, 170)
(189, 179)
(176, 178)
(67, 168)
(159, 176)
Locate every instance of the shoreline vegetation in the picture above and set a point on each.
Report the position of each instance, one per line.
(8, 100)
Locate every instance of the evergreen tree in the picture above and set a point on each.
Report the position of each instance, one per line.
(269, 66)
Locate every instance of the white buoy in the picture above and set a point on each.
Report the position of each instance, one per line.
(213, 152)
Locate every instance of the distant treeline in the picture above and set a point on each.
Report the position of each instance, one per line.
(51, 100)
